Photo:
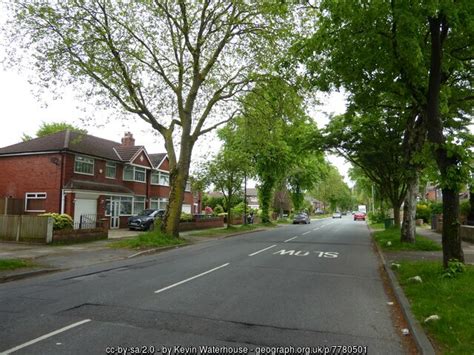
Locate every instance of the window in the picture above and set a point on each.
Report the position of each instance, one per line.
(84, 165)
(158, 203)
(133, 173)
(125, 205)
(160, 178)
(35, 201)
(110, 170)
(138, 205)
(188, 186)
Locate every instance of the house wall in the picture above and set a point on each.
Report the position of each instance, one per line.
(32, 173)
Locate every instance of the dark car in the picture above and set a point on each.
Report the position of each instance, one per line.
(359, 216)
(301, 218)
(145, 220)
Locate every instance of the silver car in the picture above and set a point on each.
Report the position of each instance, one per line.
(301, 218)
(336, 215)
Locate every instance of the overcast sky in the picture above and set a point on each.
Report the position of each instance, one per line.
(22, 112)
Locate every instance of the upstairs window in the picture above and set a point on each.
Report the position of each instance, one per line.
(83, 165)
(160, 178)
(188, 186)
(110, 170)
(133, 173)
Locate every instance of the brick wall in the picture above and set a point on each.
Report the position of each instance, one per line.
(32, 173)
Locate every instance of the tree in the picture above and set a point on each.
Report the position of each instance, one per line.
(331, 190)
(53, 127)
(226, 172)
(418, 54)
(174, 64)
(373, 143)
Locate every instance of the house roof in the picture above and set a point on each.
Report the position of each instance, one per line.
(78, 143)
(156, 159)
(96, 186)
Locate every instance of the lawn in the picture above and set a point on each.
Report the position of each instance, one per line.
(12, 264)
(392, 236)
(219, 232)
(452, 299)
(147, 240)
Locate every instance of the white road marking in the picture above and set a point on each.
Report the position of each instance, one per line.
(286, 241)
(260, 251)
(46, 336)
(191, 278)
(315, 229)
(306, 232)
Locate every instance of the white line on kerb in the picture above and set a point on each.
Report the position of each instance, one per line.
(306, 232)
(46, 336)
(286, 241)
(258, 252)
(191, 278)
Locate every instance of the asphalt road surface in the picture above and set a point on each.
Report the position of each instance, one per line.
(293, 288)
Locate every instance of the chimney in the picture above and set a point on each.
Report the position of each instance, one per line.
(128, 140)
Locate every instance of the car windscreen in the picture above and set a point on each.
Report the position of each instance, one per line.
(147, 212)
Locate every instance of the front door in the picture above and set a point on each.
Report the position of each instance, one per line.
(114, 214)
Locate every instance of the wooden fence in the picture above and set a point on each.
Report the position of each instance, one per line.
(11, 205)
(26, 228)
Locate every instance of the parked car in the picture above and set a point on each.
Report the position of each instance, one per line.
(301, 218)
(344, 213)
(359, 216)
(336, 215)
(145, 220)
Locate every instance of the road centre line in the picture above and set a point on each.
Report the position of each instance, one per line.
(191, 278)
(258, 252)
(306, 232)
(46, 336)
(286, 241)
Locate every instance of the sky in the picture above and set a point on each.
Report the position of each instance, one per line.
(22, 112)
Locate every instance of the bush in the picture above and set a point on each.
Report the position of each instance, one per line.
(218, 210)
(186, 217)
(436, 208)
(465, 208)
(378, 216)
(423, 211)
(60, 221)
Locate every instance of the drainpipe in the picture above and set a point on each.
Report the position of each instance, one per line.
(61, 184)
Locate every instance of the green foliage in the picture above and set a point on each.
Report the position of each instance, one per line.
(436, 208)
(218, 210)
(12, 264)
(423, 211)
(465, 208)
(455, 267)
(148, 240)
(331, 190)
(186, 217)
(53, 127)
(60, 221)
(378, 216)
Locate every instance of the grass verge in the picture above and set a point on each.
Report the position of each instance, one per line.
(147, 240)
(377, 225)
(219, 232)
(449, 298)
(389, 240)
(12, 264)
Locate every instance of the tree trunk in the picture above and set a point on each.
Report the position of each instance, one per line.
(396, 215)
(470, 216)
(265, 192)
(452, 248)
(409, 211)
(178, 178)
(229, 209)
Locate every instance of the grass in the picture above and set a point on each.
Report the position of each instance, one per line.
(452, 299)
(147, 240)
(377, 225)
(219, 232)
(392, 235)
(12, 264)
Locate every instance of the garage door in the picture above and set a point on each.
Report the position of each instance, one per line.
(88, 210)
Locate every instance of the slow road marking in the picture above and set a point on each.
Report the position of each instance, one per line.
(191, 278)
(46, 336)
(260, 251)
(320, 254)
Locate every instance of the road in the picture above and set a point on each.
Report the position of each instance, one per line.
(297, 285)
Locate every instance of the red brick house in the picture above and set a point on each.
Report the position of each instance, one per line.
(82, 175)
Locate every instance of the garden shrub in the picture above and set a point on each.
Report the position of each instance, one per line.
(423, 211)
(436, 208)
(186, 217)
(377, 216)
(218, 210)
(60, 221)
